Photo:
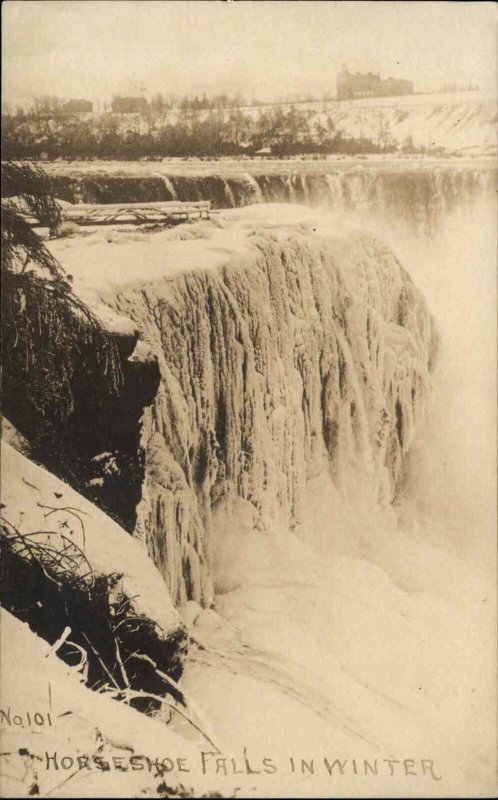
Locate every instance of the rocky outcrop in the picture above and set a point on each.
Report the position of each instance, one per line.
(65, 564)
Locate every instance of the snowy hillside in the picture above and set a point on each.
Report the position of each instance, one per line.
(460, 121)
(464, 122)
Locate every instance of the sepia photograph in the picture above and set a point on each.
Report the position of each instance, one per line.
(249, 399)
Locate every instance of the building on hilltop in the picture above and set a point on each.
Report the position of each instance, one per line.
(369, 84)
(391, 87)
(129, 105)
(77, 107)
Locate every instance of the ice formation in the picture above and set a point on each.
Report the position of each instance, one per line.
(299, 354)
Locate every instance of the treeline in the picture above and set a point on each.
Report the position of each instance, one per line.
(50, 105)
(210, 133)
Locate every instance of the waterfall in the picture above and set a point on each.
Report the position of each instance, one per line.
(168, 185)
(419, 197)
(253, 194)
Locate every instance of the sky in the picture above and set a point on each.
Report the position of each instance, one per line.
(97, 49)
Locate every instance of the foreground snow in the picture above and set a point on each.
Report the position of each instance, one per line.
(40, 753)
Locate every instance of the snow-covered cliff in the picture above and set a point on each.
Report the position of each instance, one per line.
(289, 353)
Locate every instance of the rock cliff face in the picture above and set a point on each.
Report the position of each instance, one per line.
(300, 355)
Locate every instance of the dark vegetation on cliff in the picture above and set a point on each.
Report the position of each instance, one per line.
(75, 399)
(64, 373)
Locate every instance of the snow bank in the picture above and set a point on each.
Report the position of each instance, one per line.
(58, 736)
(89, 549)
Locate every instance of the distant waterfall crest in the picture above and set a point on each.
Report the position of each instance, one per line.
(420, 198)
